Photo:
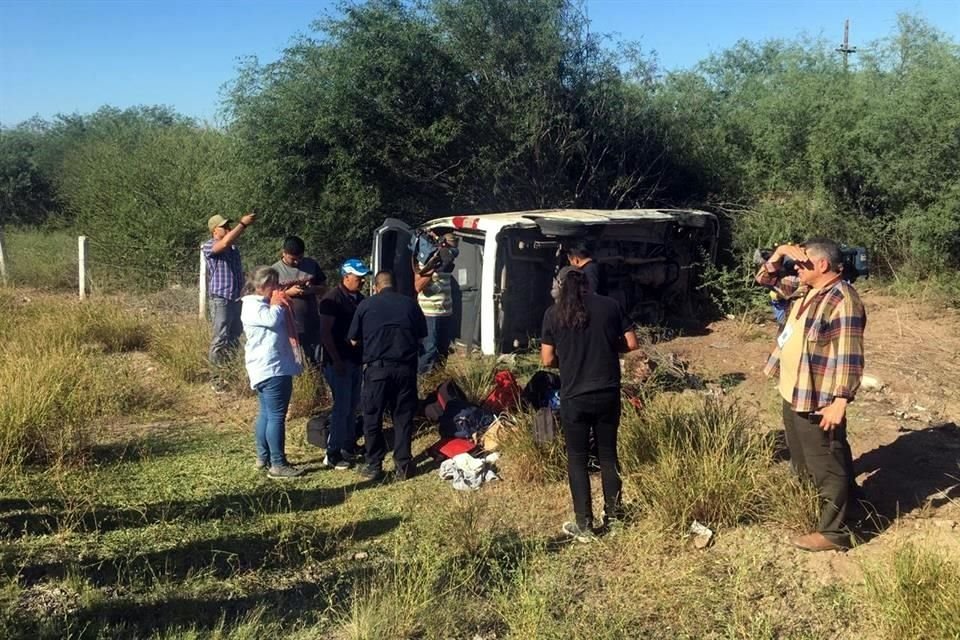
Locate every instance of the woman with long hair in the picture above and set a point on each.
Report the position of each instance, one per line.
(584, 334)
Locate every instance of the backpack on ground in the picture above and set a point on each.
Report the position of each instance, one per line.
(448, 397)
(540, 388)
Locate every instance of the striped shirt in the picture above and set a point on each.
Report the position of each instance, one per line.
(831, 360)
(436, 299)
(224, 272)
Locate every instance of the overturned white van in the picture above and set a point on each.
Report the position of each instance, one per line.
(507, 262)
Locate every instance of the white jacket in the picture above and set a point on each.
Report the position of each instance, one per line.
(268, 352)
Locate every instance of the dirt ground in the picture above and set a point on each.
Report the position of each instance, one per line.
(904, 432)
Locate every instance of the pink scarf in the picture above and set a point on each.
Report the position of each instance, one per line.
(279, 298)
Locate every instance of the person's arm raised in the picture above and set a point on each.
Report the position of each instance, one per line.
(227, 241)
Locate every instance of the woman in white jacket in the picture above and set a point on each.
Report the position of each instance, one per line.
(271, 363)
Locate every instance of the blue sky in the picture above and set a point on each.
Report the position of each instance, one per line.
(65, 56)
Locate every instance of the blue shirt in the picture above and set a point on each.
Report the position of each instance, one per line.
(224, 272)
(268, 352)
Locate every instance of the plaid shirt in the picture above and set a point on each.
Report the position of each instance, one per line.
(831, 364)
(224, 272)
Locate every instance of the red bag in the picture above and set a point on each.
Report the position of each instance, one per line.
(449, 447)
(505, 394)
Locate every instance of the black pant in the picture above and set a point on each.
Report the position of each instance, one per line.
(598, 411)
(823, 457)
(311, 349)
(392, 387)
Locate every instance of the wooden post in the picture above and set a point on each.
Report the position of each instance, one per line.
(82, 259)
(203, 285)
(3, 259)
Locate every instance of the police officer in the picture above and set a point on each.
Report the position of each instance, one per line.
(389, 326)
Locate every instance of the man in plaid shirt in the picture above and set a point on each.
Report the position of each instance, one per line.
(819, 358)
(224, 284)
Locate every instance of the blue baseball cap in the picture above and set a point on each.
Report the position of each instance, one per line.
(354, 266)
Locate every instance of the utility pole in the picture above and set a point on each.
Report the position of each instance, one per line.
(845, 47)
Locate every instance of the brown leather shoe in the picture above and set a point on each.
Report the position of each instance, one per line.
(814, 542)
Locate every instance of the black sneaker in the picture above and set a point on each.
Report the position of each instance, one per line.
(284, 472)
(405, 472)
(354, 456)
(370, 472)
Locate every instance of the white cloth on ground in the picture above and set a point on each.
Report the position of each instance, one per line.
(468, 473)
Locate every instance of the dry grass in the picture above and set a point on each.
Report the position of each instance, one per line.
(915, 594)
(309, 393)
(182, 348)
(61, 374)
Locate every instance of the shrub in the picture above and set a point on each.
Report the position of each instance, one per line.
(699, 458)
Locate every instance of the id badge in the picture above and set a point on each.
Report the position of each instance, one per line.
(785, 335)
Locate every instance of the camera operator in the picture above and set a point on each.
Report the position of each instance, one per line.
(819, 358)
(433, 282)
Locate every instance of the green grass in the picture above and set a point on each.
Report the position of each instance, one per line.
(154, 524)
(42, 259)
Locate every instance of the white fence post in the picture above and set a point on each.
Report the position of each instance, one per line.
(82, 259)
(203, 285)
(3, 259)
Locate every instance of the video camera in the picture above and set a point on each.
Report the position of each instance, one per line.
(854, 260)
(433, 252)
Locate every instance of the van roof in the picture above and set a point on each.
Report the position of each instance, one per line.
(497, 221)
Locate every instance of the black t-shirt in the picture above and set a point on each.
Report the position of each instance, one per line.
(340, 304)
(304, 307)
(590, 357)
(596, 282)
(389, 327)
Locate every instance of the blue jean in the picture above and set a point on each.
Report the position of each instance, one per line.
(270, 428)
(346, 398)
(436, 345)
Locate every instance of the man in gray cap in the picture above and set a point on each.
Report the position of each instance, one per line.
(224, 284)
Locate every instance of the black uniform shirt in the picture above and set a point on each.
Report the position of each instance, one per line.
(389, 327)
(589, 357)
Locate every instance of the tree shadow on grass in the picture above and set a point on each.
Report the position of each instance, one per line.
(917, 469)
(51, 516)
(123, 617)
(319, 592)
(223, 557)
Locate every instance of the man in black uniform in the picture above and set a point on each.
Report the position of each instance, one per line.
(389, 326)
(580, 257)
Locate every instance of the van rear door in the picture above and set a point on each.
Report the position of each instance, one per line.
(391, 252)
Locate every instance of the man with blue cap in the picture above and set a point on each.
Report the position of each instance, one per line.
(342, 361)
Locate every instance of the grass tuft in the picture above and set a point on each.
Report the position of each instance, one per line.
(917, 596)
(702, 459)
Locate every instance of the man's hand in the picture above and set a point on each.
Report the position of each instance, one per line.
(795, 253)
(295, 291)
(832, 415)
(248, 219)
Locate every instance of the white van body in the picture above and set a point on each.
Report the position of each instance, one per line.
(507, 263)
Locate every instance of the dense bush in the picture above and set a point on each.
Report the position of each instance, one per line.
(459, 106)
